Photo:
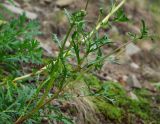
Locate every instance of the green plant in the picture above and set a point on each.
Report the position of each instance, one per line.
(18, 47)
(60, 71)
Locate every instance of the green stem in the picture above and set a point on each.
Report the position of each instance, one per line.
(49, 86)
(90, 35)
(42, 101)
(106, 19)
(65, 40)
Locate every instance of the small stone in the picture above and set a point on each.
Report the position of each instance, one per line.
(125, 77)
(47, 1)
(56, 103)
(132, 96)
(151, 73)
(136, 83)
(20, 11)
(148, 45)
(148, 86)
(67, 43)
(63, 3)
(134, 66)
(133, 82)
(132, 49)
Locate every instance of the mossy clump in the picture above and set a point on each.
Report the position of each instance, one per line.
(113, 102)
(110, 111)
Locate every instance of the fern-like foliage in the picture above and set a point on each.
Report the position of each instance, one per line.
(17, 47)
(17, 44)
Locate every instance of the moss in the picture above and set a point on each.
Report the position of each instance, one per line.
(92, 81)
(139, 108)
(121, 102)
(110, 111)
(111, 95)
(113, 102)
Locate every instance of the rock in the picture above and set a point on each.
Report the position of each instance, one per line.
(125, 77)
(147, 45)
(20, 11)
(67, 43)
(56, 103)
(134, 66)
(49, 47)
(148, 86)
(136, 83)
(38, 9)
(63, 3)
(133, 82)
(44, 2)
(122, 80)
(151, 73)
(132, 49)
(132, 96)
(47, 1)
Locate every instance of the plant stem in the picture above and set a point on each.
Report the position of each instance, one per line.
(29, 75)
(65, 40)
(22, 119)
(41, 102)
(106, 19)
(123, 45)
(90, 35)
